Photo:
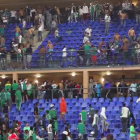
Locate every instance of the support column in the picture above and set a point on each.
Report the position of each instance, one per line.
(85, 83)
(15, 77)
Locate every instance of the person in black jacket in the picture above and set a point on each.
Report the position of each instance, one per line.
(66, 14)
(48, 91)
(14, 59)
(122, 89)
(54, 14)
(28, 11)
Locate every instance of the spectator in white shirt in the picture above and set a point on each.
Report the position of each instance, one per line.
(50, 131)
(23, 27)
(86, 38)
(133, 88)
(64, 54)
(18, 51)
(54, 86)
(107, 22)
(40, 30)
(89, 31)
(53, 26)
(13, 16)
(20, 38)
(91, 136)
(80, 13)
(85, 11)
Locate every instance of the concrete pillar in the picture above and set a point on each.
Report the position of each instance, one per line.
(15, 77)
(85, 83)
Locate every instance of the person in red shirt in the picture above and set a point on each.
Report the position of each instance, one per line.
(19, 127)
(13, 136)
(63, 108)
(77, 90)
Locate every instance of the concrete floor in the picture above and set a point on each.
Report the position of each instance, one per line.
(36, 43)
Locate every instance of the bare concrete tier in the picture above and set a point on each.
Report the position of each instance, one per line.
(61, 3)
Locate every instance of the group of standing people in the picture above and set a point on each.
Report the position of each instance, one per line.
(16, 93)
(111, 89)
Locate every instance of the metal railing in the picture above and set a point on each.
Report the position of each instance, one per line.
(96, 92)
(70, 58)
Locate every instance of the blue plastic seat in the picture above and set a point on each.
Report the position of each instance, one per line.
(115, 99)
(74, 100)
(80, 100)
(95, 100)
(121, 99)
(84, 105)
(88, 100)
(101, 100)
(78, 104)
(55, 101)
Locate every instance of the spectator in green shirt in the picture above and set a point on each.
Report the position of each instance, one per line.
(8, 98)
(55, 128)
(81, 127)
(18, 99)
(132, 132)
(48, 117)
(8, 86)
(26, 135)
(87, 51)
(2, 30)
(24, 90)
(92, 11)
(2, 97)
(26, 127)
(93, 54)
(52, 112)
(30, 90)
(83, 115)
(14, 88)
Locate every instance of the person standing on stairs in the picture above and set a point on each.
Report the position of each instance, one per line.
(125, 113)
(107, 22)
(103, 118)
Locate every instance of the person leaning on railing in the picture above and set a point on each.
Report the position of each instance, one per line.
(133, 88)
(29, 55)
(81, 53)
(124, 49)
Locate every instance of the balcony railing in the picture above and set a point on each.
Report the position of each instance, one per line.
(82, 58)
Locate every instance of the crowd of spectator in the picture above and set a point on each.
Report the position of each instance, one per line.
(20, 92)
(65, 88)
(48, 17)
